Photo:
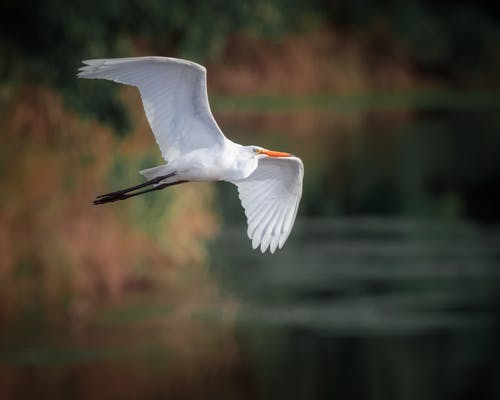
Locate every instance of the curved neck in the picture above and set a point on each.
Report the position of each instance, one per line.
(243, 162)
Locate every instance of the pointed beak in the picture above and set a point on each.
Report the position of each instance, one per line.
(272, 153)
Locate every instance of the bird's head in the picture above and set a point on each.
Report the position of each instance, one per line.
(256, 150)
(247, 158)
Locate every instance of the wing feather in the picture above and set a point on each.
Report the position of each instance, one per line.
(279, 223)
(174, 95)
(267, 234)
(270, 197)
(258, 219)
(258, 238)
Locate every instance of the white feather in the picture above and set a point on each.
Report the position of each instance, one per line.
(174, 95)
(270, 196)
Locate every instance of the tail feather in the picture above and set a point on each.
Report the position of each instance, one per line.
(151, 173)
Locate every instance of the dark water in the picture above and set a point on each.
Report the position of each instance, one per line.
(371, 308)
(388, 287)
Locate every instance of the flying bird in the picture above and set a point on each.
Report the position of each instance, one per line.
(174, 96)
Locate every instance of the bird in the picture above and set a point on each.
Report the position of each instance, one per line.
(175, 100)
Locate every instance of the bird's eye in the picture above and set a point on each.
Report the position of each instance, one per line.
(256, 150)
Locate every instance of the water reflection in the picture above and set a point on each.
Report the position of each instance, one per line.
(369, 308)
(363, 276)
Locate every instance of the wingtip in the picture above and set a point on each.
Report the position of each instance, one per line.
(94, 61)
(274, 244)
(86, 70)
(266, 241)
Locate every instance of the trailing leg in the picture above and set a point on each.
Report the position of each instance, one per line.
(131, 191)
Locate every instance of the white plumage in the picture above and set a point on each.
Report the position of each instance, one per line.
(174, 95)
(270, 197)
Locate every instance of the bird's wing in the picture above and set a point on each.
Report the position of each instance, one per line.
(270, 197)
(174, 95)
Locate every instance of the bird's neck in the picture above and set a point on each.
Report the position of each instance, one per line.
(243, 162)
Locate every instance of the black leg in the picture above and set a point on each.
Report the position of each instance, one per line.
(119, 195)
(141, 185)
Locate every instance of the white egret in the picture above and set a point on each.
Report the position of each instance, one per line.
(174, 95)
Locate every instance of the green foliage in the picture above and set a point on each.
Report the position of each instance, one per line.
(458, 40)
(44, 42)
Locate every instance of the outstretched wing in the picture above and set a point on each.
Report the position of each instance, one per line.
(270, 197)
(174, 95)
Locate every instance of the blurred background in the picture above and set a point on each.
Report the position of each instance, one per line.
(388, 287)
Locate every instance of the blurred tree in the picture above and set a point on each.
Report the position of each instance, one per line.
(457, 40)
(43, 42)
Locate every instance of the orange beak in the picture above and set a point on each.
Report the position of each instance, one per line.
(272, 153)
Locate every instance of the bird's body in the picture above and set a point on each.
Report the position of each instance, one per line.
(230, 162)
(174, 95)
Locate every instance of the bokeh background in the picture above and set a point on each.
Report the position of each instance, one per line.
(388, 287)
